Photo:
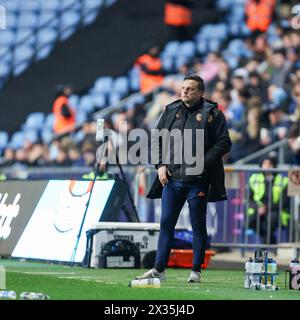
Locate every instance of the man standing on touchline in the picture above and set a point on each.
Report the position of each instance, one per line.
(174, 185)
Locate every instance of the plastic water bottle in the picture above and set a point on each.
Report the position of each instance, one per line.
(8, 295)
(33, 296)
(294, 262)
(145, 283)
(2, 278)
(248, 271)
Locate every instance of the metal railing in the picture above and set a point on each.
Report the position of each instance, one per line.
(228, 222)
(280, 145)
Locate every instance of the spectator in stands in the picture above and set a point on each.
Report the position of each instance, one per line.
(259, 14)
(151, 70)
(294, 143)
(294, 107)
(280, 68)
(178, 19)
(172, 90)
(259, 184)
(61, 159)
(279, 123)
(38, 155)
(75, 156)
(64, 115)
(247, 141)
(175, 185)
(258, 87)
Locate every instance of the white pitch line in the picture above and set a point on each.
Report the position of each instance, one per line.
(43, 273)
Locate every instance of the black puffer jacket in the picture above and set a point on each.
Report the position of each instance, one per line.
(216, 144)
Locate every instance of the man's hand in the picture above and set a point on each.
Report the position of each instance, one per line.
(163, 173)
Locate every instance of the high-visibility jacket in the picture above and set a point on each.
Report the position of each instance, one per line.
(61, 123)
(91, 176)
(258, 187)
(259, 15)
(177, 15)
(151, 75)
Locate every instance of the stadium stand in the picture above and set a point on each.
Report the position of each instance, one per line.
(34, 27)
(223, 53)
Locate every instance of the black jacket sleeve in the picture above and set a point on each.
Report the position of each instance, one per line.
(219, 140)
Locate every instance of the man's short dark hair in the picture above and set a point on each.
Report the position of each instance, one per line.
(198, 79)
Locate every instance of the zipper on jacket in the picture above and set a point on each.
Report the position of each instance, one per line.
(182, 147)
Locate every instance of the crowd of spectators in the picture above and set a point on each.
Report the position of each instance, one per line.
(260, 99)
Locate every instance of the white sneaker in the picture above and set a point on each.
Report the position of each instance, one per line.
(152, 273)
(194, 276)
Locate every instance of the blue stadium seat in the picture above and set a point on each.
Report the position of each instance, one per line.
(44, 51)
(30, 5)
(7, 37)
(46, 35)
(167, 63)
(30, 135)
(27, 20)
(99, 100)
(74, 101)
(68, 22)
(181, 60)
(81, 117)
(187, 49)
(47, 135)
(53, 5)
(25, 36)
(86, 103)
(48, 19)
(17, 140)
(69, 19)
(171, 49)
(202, 47)
(49, 121)
(3, 139)
(11, 21)
(34, 121)
(109, 3)
(214, 44)
(4, 69)
(5, 53)
(121, 85)
(89, 17)
(92, 4)
(103, 84)
(20, 67)
(74, 5)
(23, 53)
(11, 6)
(114, 98)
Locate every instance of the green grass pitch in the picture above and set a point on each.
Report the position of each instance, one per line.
(65, 283)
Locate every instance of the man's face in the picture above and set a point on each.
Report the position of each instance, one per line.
(267, 164)
(190, 94)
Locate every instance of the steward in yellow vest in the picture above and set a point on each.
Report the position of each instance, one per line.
(260, 192)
